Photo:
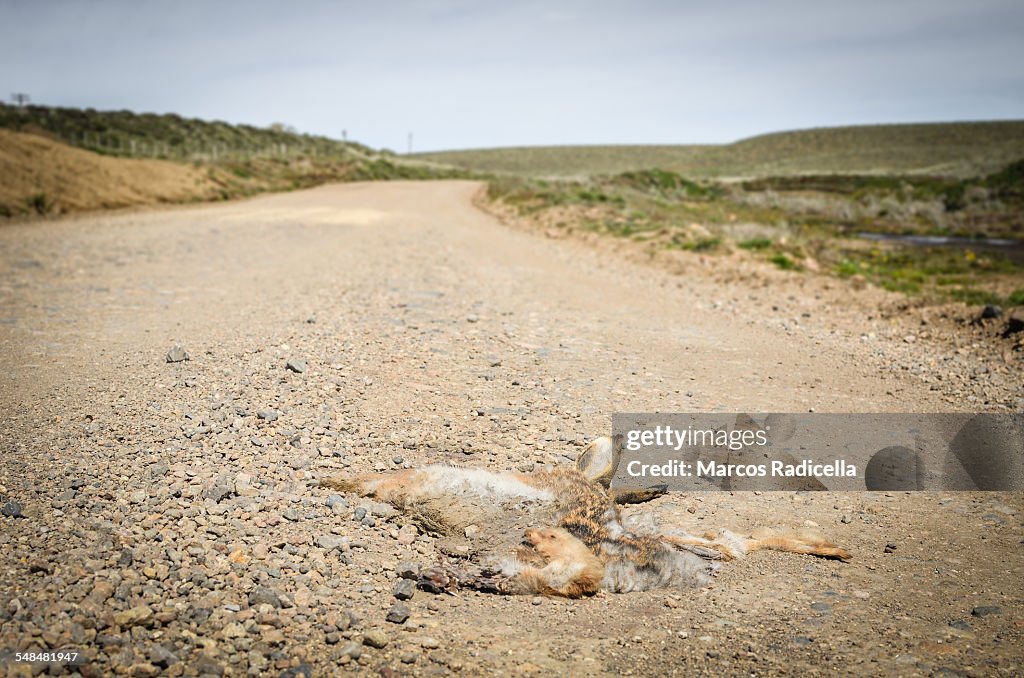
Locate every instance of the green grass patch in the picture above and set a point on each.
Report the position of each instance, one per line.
(755, 244)
(784, 262)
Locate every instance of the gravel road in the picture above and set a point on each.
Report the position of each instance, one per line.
(165, 517)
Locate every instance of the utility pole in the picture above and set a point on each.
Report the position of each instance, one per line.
(410, 143)
(344, 135)
(20, 99)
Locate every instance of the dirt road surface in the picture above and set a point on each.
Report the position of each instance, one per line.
(166, 517)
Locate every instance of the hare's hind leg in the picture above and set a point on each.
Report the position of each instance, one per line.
(385, 486)
(796, 542)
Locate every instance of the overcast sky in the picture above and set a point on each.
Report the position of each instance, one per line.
(462, 74)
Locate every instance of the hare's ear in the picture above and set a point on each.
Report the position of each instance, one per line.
(598, 460)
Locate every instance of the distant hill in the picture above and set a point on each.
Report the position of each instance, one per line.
(958, 149)
(167, 136)
(56, 160)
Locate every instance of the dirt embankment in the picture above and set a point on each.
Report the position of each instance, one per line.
(39, 175)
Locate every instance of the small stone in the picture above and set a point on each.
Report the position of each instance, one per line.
(329, 541)
(300, 671)
(823, 608)
(1015, 323)
(177, 354)
(960, 625)
(846, 519)
(408, 570)
(398, 460)
(890, 547)
(161, 656)
(207, 665)
(143, 670)
(986, 610)
(40, 565)
(267, 414)
(233, 630)
(140, 615)
(359, 513)
(429, 643)
(11, 509)
(261, 595)
(297, 365)
(376, 638)
(126, 558)
(991, 311)
(399, 613)
(218, 492)
(291, 514)
(335, 500)
(404, 589)
(354, 650)
(537, 600)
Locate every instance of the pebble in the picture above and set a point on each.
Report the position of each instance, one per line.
(11, 509)
(176, 354)
(399, 613)
(136, 616)
(376, 638)
(986, 610)
(404, 589)
(330, 541)
(296, 365)
(408, 570)
(262, 595)
(268, 414)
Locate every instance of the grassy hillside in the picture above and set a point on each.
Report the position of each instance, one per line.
(947, 149)
(61, 159)
(168, 136)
